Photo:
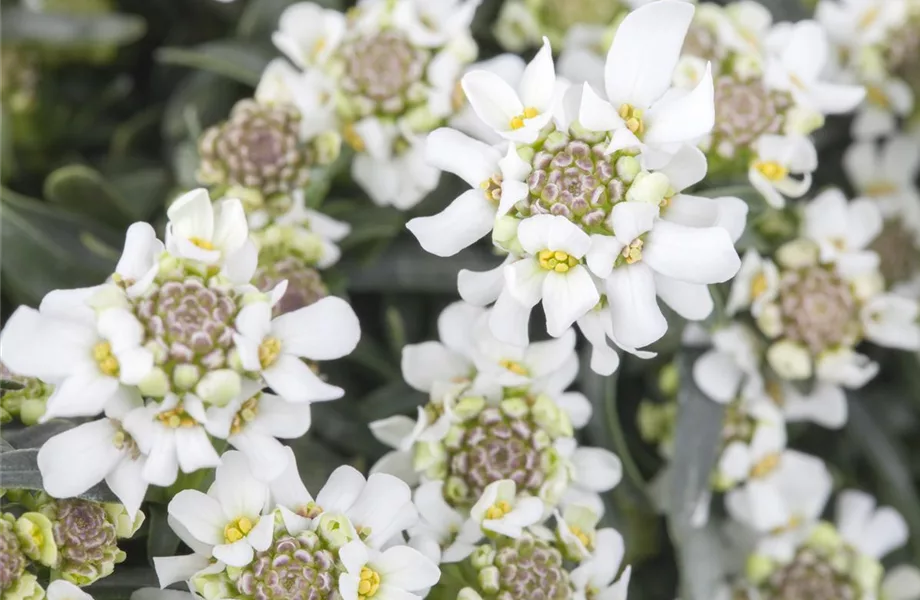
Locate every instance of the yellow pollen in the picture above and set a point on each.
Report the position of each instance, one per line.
(556, 260)
(794, 522)
(458, 97)
(633, 252)
(515, 367)
(247, 413)
(368, 583)
(352, 138)
(318, 46)
(877, 96)
(877, 189)
(771, 169)
(632, 116)
(758, 285)
(203, 244)
(581, 535)
(518, 121)
(775, 391)
(796, 81)
(869, 17)
(176, 418)
(498, 510)
(237, 530)
(269, 350)
(766, 466)
(108, 364)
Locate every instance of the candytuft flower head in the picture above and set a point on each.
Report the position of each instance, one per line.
(500, 511)
(396, 573)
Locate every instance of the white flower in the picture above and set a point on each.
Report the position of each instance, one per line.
(887, 174)
(398, 573)
(64, 590)
(756, 284)
(308, 33)
(516, 115)
(739, 460)
(576, 528)
(214, 235)
(443, 524)
(399, 179)
(892, 321)
(379, 507)
(873, 531)
(310, 92)
(857, 23)
(582, 58)
(77, 459)
(500, 510)
(254, 422)
(779, 157)
(785, 494)
(139, 262)
(496, 182)
(590, 472)
(552, 273)
(325, 330)
(886, 101)
(901, 583)
(313, 226)
(90, 359)
(229, 517)
(721, 373)
(796, 59)
(641, 110)
(172, 436)
(841, 229)
(432, 23)
(597, 576)
(401, 433)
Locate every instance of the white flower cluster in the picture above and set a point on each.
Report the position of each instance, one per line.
(584, 194)
(493, 454)
(174, 348)
(386, 74)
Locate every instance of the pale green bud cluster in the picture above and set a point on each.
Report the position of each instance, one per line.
(526, 568)
(24, 398)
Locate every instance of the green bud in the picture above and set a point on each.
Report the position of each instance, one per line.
(219, 387)
(125, 526)
(483, 556)
(336, 530)
(489, 579)
(526, 153)
(515, 408)
(468, 594)
(669, 379)
(32, 409)
(214, 586)
(156, 383)
(36, 534)
(455, 489)
(547, 414)
(504, 233)
(328, 147)
(25, 588)
(650, 188)
(427, 455)
(468, 407)
(824, 538)
(759, 568)
(186, 376)
(867, 572)
(627, 168)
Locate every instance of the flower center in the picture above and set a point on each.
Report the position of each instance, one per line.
(633, 252)
(492, 188)
(771, 169)
(498, 510)
(875, 95)
(176, 418)
(382, 73)
(583, 537)
(632, 116)
(269, 350)
(237, 530)
(518, 121)
(556, 260)
(767, 465)
(368, 583)
(108, 364)
(869, 17)
(247, 413)
(878, 189)
(515, 367)
(758, 285)
(351, 137)
(122, 440)
(818, 308)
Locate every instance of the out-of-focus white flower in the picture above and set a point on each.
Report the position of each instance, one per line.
(887, 173)
(797, 56)
(597, 576)
(212, 235)
(886, 101)
(856, 23)
(500, 510)
(229, 517)
(777, 158)
(841, 229)
(873, 531)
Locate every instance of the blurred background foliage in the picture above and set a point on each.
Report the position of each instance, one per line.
(102, 104)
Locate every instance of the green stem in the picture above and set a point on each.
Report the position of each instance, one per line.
(618, 437)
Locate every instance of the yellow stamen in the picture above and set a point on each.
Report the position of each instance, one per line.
(875, 95)
(766, 466)
(632, 116)
(758, 285)
(176, 418)
(869, 17)
(368, 583)
(352, 138)
(203, 244)
(237, 530)
(247, 413)
(771, 169)
(797, 81)
(583, 537)
(108, 364)
(269, 351)
(877, 189)
(556, 260)
(633, 252)
(518, 121)
(498, 510)
(515, 367)
(318, 46)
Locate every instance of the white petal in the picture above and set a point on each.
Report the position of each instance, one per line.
(162, 465)
(353, 555)
(597, 469)
(826, 405)
(692, 301)
(492, 99)
(636, 319)
(260, 537)
(641, 60)
(231, 230)
(524, 281)
(126, 481)
(380, 503)
(176, 569)
(84, 394)
(341, 490)
(718, 376)
(200, 514)
(287, 489)
(237, 554)
(509, 319)
(471, 160)
(192, 216)
(294, 381)
(266, 455)
(596, 114)
(254, 321)
(684, 118)
(239, 492)
(603, 254)
(429, 362)
(538, 81)
(632, 219)
(77, 459)
(281, 419)
(566, 297)
(687, 167)
(49, 348)
(398, 464)
(705, 255)
(194, 449)
(467, 219)
(902, 583)
(482, 288)
(324, 330)
(141, 247)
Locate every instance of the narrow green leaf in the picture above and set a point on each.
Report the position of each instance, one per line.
(63, 29)
(198, 101)
(34, 436)
(394, 398)
(237, 60)
(143, 191)
(84, 190)
(890, 462)
(161, 540)
(123, 582)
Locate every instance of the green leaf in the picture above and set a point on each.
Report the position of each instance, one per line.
(161, 540)
(47, 248)
(84, 190)
(34, 436)
(123, 582)
(890, 463)
(237, 60)
(62, 29)
(199, 100)
(394, 398)
(142, 191)
(19, 470)
(696, 446)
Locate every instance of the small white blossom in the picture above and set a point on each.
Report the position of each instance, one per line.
(499, 509)
(778, 158)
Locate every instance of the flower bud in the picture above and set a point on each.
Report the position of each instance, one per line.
(219, 387)
(36, 535)
(790, 360)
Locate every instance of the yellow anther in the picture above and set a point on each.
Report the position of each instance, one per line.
(556, 260)
(797, 81)
(458, 97)
(775, 391)
(771, 169)
(247, 413)
(530, 112)
(203, 244)
(869, 17)
(758, 285)
(515, 367)
(318, 46)
(632, 116)
(368, 583)
(351, 137)
(877, 189)
(237, 530)
(492, 188)
(633, 252)
(518, 121)
(583, 537)
(766, 466)
(875, 95)
(269, 351)
(498, 510)
(176, 418)
(108, 364)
